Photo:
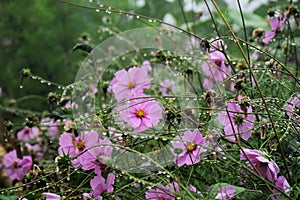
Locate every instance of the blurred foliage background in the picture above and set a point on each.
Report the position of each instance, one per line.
(40, 35)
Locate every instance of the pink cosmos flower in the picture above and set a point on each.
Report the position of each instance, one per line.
(114, 135)
(225, 192)
(88, 196)
(265, 167)
(217, 44)
(96, 156)
(194, 189)
(167, 87)
(190, 150)
(146, 66)
(74, 146)
(283, 185)
(215, 69)
(112, 83)
(141, 114)
(34, 149)
(0, 91)
(16, 168)
(53, 129)
(50, 126)
(237, 121)
(70, 105)
(51, 196)
(26, 134)
(167, 192)
(130, 84)
(276, 23)
(293, 108)
(93, 89)
(100, 185)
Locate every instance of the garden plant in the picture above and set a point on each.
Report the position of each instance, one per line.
(170, 99)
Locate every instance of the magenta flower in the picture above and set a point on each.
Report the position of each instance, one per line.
(293, 108)
(114, 135)
(217, 44)
(146, 66)
(194, 189)
(51, 196)
(75, 146)
(265, 167)
(237, 121)
(33, 149)
(100, 185)
(167, 192)
(16, 168)
(141, 114)
(276, 23)
(283, 185)
(97, 155)
(70, 105)
(225, 192)
(88, 196)
(188, 144)
(53, 129)
(26, 134)
(112, 83)
(167, 87)
(215, 69)
(93, 89)
(50, 126)
(130, 84)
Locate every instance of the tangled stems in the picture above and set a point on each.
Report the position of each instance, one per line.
(256, 83)
(179, 111)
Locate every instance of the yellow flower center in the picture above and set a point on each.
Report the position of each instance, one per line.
(131, 84)
(140, 113)
(80, 145)
(191, 147)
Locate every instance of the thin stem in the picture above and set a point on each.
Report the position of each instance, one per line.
(219, 35)
(256, 83)
(245, 34)
(237, 142)
(268, 54)
(184, 16)
(138, 16)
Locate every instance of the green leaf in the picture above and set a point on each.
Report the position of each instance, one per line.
(2, 197)
(297, 41)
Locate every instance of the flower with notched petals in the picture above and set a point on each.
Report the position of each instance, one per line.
(15, 167)
(189, 145)
(264, 166)
(27, 133)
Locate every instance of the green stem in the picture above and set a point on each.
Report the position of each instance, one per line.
(256, 83)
